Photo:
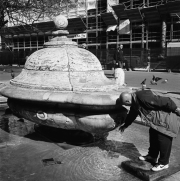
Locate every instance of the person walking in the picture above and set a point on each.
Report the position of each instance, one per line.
(161, 114)
(120, 61)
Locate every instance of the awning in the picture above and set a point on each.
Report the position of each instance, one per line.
(150, 14)
(76, 23)
(109, 19)
(111, 28)
(134, 15)
(163, 11)
(46, 26)
(120, 11)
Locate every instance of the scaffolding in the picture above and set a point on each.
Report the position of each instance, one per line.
(145, 30)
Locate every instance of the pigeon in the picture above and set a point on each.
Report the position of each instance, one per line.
(12, 74)
(143, 83)
(164, 81)
(155, 80)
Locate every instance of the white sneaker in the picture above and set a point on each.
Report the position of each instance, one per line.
(148, 158)
(159, 167)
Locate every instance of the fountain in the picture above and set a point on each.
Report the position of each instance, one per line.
(64, 86)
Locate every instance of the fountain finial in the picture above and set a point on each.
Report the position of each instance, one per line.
(61, 23)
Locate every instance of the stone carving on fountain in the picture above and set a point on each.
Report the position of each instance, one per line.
(64, 86)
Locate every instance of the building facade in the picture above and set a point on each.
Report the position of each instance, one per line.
(145, 28)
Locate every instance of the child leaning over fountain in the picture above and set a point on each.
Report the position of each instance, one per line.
(160, 113)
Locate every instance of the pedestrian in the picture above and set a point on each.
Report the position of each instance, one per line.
(12, 74)
(119, 59)
(26, 57)
(148, 68)
(160, 113)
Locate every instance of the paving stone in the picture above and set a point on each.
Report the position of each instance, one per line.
(142, 170)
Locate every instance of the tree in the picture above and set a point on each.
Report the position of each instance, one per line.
(21, 12)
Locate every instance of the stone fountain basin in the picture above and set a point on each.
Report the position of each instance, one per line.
(93, 112)
(100, 100)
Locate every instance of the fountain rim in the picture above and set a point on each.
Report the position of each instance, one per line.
(99, 98)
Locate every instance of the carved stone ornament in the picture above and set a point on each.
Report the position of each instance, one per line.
(64, 86)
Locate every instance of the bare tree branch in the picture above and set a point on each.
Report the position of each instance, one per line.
(23, 12)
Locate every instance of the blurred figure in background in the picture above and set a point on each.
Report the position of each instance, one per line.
(119, 60)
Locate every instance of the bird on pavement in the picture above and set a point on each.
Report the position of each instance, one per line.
(12, 74)
(143, 83)
(164, 81)
(155, 80)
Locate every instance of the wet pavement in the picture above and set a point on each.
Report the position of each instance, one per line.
(32, 152)
(44, 153)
